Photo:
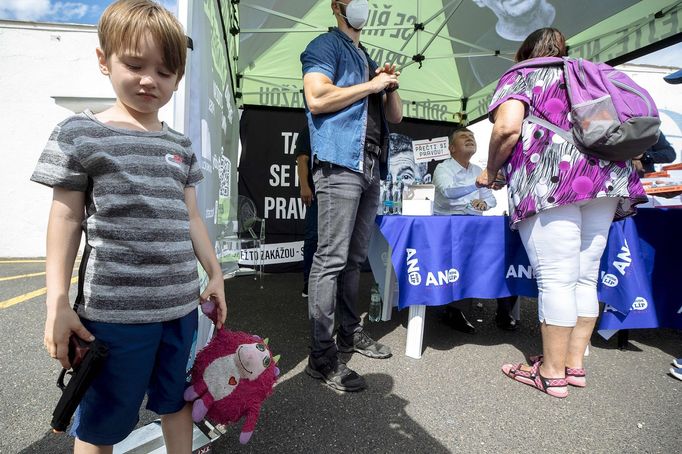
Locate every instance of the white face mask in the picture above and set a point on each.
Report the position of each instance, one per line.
(357, 12)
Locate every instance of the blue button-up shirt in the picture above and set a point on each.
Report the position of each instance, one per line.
(339, 137)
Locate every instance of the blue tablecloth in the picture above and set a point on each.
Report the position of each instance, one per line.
(439, 259)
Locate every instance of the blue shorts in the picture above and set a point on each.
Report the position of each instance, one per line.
(148, 358)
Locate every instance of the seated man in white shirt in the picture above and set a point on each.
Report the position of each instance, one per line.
(455, 179)
(456, 193)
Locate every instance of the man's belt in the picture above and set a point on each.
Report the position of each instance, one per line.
(369, 147)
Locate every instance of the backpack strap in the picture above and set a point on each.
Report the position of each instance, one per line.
(538, 62)
(541, 62)
(566, 135)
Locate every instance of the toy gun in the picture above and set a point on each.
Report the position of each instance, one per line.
(86, 360)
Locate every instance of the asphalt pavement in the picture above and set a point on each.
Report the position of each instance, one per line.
(453, 399)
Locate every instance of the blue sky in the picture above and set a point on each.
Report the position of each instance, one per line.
(73, 11)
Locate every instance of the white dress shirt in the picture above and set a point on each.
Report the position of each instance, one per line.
(456, 188)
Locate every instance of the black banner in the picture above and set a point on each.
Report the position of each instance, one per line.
(268, 176)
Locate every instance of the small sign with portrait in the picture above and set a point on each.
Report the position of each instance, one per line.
(427, 149)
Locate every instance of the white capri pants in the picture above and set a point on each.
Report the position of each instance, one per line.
(565, 245)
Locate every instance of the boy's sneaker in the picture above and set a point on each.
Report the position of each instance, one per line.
(676, 372)
(363, 344)
(336, 375)
(678, 363)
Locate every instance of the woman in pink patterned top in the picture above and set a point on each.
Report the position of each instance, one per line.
(562, 202)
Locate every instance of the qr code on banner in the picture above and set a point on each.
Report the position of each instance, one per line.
(225, 176)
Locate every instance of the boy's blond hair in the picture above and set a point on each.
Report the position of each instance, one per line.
(125, 22)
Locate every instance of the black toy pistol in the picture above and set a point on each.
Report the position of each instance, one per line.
(86, 360)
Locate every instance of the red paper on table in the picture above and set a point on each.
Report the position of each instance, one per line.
(662, 189)
(656, 175)
(677, 166)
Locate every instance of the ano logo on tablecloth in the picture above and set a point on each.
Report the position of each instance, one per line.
(610, 280)
(441, 277)
(413, 275)
(640, 304)
(621, 263)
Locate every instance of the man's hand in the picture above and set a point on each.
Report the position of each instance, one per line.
(387, 68)
(391, 71)
(383, 81)
(479, 205)
(306, 194)
(60, 322)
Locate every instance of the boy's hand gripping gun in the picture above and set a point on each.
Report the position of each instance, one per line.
(86, 360)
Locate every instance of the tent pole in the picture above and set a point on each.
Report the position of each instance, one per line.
(181, 101)
(461, 41)
(427, 21)
(278, 14)
(445, 22)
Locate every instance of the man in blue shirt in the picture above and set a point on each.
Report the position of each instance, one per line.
(659, 153)
(349, 100)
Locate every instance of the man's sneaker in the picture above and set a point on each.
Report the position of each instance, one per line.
(337, 375)
(678, 363)
(363, 344)
(676, 372)
(304, 292)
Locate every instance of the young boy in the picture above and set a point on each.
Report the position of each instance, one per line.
(128, 180)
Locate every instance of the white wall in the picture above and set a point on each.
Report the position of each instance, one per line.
(39, 61)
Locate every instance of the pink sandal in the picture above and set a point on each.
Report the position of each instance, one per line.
(575, 376)
(555, 387)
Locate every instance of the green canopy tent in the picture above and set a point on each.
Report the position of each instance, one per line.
(450, 52)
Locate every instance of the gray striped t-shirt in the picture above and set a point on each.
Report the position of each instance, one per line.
(138, 265)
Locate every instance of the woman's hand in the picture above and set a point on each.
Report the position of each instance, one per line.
(491, 179)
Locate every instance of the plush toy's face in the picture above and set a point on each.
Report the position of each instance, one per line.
(252, 360)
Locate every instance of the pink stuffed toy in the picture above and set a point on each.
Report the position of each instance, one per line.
(231, 378)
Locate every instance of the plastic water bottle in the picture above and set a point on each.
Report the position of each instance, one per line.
(375, 304)
(382, 198)
(397, 198)
(387, 201)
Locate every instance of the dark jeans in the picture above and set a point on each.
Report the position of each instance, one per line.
(310, 239)
(347, 205)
